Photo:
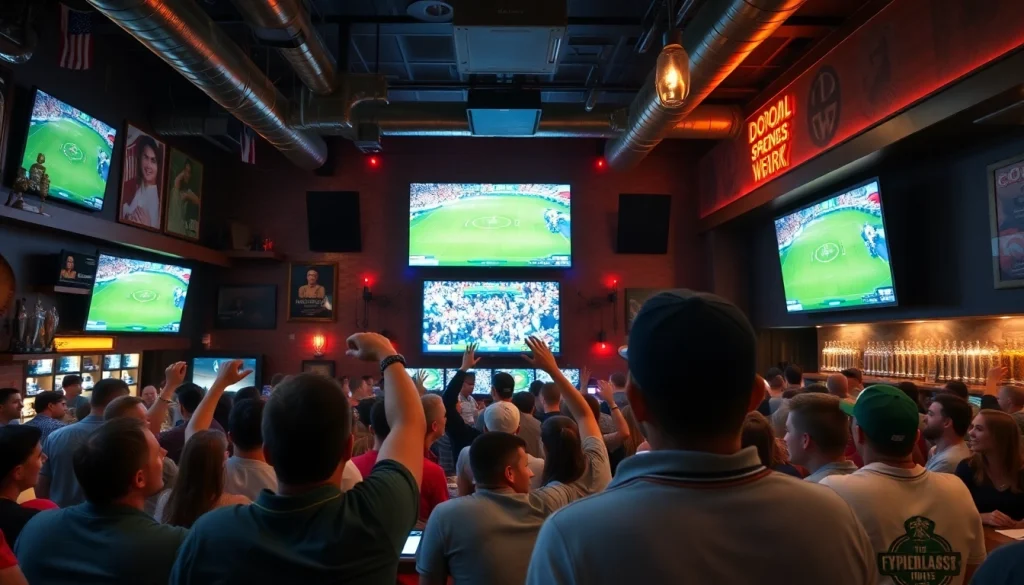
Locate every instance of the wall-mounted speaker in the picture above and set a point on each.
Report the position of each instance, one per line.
(333, 220)
(643, 224)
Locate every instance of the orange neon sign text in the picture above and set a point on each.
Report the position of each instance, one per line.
(769, 136)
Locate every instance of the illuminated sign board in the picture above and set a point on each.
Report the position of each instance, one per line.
(67, 344)
(770, 135)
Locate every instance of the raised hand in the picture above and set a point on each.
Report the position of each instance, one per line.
(369, 347)
(175, 375)
(542, 357)
(418, 380)
(584, 379)
(607, 391)
(469, 358)
(231, 373)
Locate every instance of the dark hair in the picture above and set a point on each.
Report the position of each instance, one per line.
(910, 389)
(71, 380)
(45, 399)
(247, 393)
(1005, 434)
(957, 410)
(276, 379)
(771, 373)
(379, 420)
(105, 391)
(794, 375)
(816, 389)
(618, 379)
(550, 393)
(6, 393)
(307, 424)
(222, 412)
(83, 410)
(245, 423)
(106, 464)
(504, 385)
(790, 393)
(820, 417)
(958, 388)
(854, 373)
(491, 453)
(594, 405)
(16, 445)
(524, 401)
(757, 431)
(563, 450)
(470, 376)
(121, 405)
(200, 481)
(141, 142)
(535, 387)
(189, 396)
(364, 408)
(368, 379)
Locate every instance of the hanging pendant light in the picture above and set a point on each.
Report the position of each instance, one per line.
(673, 72)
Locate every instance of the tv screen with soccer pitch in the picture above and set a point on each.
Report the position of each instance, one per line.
(487, 224)
(77, 148)
(496, 315)
(204, 371)
(136, 296)
(835, 253)
(571, 374)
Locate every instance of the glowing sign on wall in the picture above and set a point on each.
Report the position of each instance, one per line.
(770, 135)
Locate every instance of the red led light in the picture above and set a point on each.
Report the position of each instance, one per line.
(374, 161)
(599, 163)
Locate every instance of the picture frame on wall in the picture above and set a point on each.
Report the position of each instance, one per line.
(312, 287)
(6, 104)
(1006, 218)
(322, 367)
(184, 194)
(141, 202)
(250, 306)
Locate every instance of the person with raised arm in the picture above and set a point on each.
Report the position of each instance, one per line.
(309, 531)
(460, 433)
(615, 439)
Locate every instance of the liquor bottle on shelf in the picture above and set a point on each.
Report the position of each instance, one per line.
(887, 360)
(931, 363)
(1018, 362)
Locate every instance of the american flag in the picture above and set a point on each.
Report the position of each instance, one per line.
(75, 38)
(248, 143)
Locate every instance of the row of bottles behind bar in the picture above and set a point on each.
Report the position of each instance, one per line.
(929, 360)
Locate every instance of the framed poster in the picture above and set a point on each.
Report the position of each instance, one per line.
(1006, 216)
(322, 367)
(311, 290)
(142, 180)
(246, 307)
(6, 96)
(184, 195)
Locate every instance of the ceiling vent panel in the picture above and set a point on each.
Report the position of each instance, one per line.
(509, 36)
(503, 112)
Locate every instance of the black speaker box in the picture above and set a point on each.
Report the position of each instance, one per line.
(333, 218)
(643, 224)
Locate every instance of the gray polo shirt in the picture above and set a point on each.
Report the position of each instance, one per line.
(945, 461)
(529, 431)
(59, 448)
(681, 516)
(835, 468)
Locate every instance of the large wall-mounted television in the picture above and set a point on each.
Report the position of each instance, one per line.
(496, 315)
(835, 253)
(137, 296)
(571, 374)
(77, 148)
(482, 383)
(488, 224)
(204, 369)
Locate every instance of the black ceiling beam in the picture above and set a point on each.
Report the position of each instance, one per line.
(402, 19)
(808, 27)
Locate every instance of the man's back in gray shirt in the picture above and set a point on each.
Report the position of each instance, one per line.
(59, 448)
(529, 431)
(945, 461)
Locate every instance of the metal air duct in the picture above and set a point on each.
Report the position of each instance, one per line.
(334, 114)
(718, 39)
(18, 39)
(183, 35)
(285, 25)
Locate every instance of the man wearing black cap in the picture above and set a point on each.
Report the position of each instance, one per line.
(699, 508)
(924, 526)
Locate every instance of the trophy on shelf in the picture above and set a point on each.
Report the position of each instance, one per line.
(16, 198)
(35, 173)
(20, 322)
(44, 191)
(50, 322)
(35, 329)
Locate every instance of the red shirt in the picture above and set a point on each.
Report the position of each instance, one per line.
(7, 559)
(433, 487)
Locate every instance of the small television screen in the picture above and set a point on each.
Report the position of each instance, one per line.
(487, 224)
(112, 361)
(76, 271)
(482, 384)
(204, 371)
(40, 367)
(433, 378)
(32, 387)
(523, 377)
(131, 360)
(835, 253)
(90, 363)
(77, 150)
(496, 315)
(137, 296)
(571, 374)
(69, 364)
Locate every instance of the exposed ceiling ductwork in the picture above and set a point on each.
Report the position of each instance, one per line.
(18, 39)
(286, 26)
(718, 39)
(183, 35)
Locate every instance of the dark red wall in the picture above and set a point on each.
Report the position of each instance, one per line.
(270, 198)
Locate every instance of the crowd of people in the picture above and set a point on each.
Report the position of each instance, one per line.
(492, 314)
(789, 227)
(718, 476)
(427, 196)
(111, 267)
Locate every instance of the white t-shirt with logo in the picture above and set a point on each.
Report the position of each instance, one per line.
(923, 526)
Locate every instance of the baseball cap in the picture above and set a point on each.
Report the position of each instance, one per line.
(502, 417)
(888, 416)
(700, 336)
(503, 382)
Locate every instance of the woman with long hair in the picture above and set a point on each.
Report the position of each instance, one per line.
(994, 473)
(144, 208)
(200, 484)
(757, 432)
(563, 450)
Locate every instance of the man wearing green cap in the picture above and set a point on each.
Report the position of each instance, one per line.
(923, 526)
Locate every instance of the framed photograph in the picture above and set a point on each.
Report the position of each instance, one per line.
(6, 102)
(246, 307)
(184, 195)
(1006, 216)
(311, 291)
(142, 180)
(322, 367)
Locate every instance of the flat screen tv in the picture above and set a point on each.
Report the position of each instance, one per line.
(137, 296)
(571, 374)
(487, 224)
(204, 369)
(496, 315)
(77, 148)
(433, 378)
(835, 253)
(523, 377)
(482, 384)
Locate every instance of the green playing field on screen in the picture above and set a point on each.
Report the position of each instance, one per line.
(136, 296)
(77, 148)
(487, 224)
(835, 253)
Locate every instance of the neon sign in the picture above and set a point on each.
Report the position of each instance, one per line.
(769, 136)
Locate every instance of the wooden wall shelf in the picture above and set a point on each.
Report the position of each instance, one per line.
(255, 255)
(89, 226)
(24, 357)
(927, 385)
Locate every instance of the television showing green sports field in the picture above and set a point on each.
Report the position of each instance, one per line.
(835, 254)
(136, 296)
(76, 147)
(488, 224)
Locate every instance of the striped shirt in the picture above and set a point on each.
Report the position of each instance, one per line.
(46, 424)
